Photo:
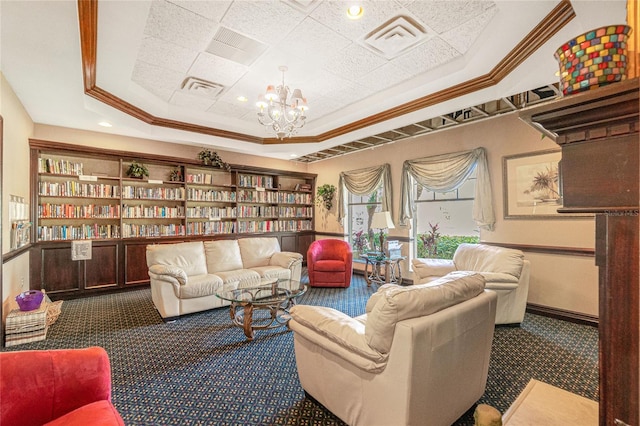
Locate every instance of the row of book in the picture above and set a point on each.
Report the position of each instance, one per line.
(149, 231)
(78, 189)
(152, 212)
(257, 211)
(60, 167)
(195, 194)
(138, 192)
(78, 232)
(295, 212)
(245, 196)
(254, 181)
(74, 211)
(210, 228)
(294, 198)
(211, 212)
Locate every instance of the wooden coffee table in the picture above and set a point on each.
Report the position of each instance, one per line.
(264, 306)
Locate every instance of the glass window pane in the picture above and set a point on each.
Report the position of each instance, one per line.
(451, 195)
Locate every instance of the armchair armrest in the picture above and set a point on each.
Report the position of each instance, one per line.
(162, 271)
(337, 332)
(432, 267)
(286, 259)
(39, 386)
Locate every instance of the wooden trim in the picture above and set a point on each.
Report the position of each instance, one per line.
(567, 251)
(563, 314)
(88, 22)
(15, 253)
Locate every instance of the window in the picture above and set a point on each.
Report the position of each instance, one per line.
(360, 210)
(442, 221)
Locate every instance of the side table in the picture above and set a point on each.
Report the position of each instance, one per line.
(26, 326)
(373, 269)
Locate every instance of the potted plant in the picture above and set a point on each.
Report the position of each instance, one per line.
(137, 170)
(211, 158)
(325, 195)
(175, 175)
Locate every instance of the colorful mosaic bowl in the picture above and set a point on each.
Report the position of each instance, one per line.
(593, 59)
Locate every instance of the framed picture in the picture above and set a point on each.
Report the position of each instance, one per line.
(532, 186)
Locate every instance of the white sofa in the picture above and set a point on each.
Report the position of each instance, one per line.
(506, 272)
(186, 276)
(418, 356)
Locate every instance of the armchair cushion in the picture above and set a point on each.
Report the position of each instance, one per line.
(432, 267)
(345, 331)
(485, 258)
(400, 303)
(329, 266)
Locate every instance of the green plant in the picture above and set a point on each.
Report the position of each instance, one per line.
(446, 245)
(360, 241)
(211, 158)
(137, 170)
(325, 195)
(430, 241)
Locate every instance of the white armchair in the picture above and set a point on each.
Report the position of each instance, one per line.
(420, 354)
(506, 272)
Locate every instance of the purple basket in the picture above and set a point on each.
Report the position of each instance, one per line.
(29, 300)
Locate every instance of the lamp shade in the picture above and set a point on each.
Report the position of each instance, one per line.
(382, 220)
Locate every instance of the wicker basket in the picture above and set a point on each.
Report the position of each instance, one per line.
(593, 59)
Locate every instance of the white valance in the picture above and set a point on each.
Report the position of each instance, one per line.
(446, 172)
(364, 182)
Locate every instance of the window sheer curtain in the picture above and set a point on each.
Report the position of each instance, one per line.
(446, 172)
(364, 182)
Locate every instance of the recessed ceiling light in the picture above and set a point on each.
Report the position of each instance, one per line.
(293, 155)
(104, 124)
(355, 11)
(242, 98)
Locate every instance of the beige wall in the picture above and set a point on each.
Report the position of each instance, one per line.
(558, 281)
(18, 127)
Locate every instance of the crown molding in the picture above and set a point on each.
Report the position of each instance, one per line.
(88, 23)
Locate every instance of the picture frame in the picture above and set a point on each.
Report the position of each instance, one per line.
(532, 186)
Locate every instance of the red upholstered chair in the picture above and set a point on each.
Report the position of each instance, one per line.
(330, 263)
(58, 387)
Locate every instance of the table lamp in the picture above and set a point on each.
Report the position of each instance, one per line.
(382, 221)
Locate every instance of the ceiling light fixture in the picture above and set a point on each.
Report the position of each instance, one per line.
(104, 124)
(355, 11)
(277, 111)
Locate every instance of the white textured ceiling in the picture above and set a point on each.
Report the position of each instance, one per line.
(157, 55)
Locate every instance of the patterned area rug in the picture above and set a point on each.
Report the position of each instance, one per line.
(200, 370)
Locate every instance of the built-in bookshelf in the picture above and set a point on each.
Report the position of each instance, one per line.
(83, 193)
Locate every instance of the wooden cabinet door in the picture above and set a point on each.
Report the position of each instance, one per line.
(135, 263)
(102, 269)
(58, 273)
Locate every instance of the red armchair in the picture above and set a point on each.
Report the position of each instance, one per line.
(58, 387)
(330, 263)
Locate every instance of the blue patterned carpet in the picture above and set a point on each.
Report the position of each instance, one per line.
(200, 370)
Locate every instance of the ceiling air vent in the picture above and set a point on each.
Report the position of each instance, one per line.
(395, 36)
(235, 47)
(202, 88)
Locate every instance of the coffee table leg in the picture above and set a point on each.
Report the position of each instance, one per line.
(248, 321)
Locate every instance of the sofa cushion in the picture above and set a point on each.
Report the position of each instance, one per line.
(329, 266)
(257, 251)
(273, 272)
(199, 286)
(398, 303)
(222, 255)
(246, 277)
(484, 258)
(187, 256)
(99, 413)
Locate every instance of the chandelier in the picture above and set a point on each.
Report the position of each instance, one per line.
(279, 112)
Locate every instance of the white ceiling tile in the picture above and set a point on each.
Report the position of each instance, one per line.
(213, 10)
(318, 42)
(353, 62)
(462, 37)
(167, 55)
(216, 69)
(266, 21)
(160, 81)
(229, 109)
(182, 99)
(385, 76)
(426, 56)
(441, 16)
(333, 14)
(180, 26)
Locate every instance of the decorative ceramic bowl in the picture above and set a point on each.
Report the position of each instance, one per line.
(29, 300)
(593, 59)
